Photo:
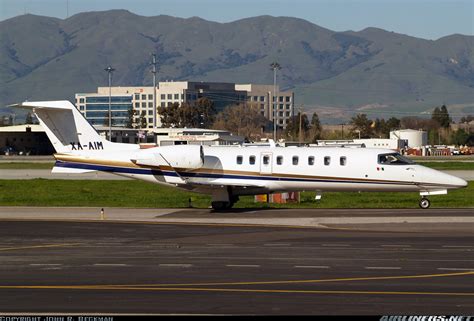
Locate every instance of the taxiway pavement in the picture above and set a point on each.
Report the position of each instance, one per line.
(146, 264)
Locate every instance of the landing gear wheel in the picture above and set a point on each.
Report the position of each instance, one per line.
(219, 206)
(424, 203)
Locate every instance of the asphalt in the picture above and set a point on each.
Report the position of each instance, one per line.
(146, 263)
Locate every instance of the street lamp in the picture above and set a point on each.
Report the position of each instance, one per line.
(275, 66)
(109, 69)
(153, 71)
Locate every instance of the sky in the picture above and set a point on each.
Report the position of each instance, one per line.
(428, 19)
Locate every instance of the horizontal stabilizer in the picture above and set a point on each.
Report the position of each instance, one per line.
(67, 170)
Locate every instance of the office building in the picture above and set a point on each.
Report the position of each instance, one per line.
(95, 106)
(261, 97)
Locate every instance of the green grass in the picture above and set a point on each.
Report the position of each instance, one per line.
(449, 165)
(41, 192)
(26, 165)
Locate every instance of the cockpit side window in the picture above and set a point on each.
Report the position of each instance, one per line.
(394, 159)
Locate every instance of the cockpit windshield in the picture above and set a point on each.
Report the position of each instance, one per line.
(394, 159)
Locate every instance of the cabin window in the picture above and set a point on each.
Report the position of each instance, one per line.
(295, 160)
(343, 160)
(327, 160)
(311, 160)
(266, 160)
(252, 160)
(240, 160)
(394, 159)
(279, 160)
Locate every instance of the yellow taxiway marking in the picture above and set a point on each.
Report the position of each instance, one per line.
(131, 288)
(374, 278)
(199, 286)
(38, 246)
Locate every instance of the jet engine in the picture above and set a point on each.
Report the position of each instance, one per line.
(177, 156)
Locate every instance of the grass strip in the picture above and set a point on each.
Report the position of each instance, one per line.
(44, 192)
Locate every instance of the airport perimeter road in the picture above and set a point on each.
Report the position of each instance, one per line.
(126, 267)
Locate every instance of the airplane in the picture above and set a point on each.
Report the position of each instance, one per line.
(227, 172)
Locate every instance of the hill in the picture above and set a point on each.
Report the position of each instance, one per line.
(370, 70)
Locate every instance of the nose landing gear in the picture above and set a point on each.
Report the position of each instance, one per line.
(424, 203)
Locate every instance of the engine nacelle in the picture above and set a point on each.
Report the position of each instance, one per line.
(177, 156)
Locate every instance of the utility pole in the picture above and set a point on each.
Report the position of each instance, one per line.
(300, 137)
(109, 69)
(275, 66)
(153, 63)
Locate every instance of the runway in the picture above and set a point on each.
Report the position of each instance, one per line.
(151, 266)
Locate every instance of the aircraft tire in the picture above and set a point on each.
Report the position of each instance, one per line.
(424, 203)
(219, 206)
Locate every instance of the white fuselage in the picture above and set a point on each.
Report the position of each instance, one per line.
(253, 170)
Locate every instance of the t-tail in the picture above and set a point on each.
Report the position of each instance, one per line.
(68, 130)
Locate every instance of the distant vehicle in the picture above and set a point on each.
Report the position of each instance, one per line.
(229, 172)
(7, 151)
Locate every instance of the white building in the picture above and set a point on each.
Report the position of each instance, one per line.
(195, 136)
(94, 106)
(415, 138)
(385, 143)
(261, 96)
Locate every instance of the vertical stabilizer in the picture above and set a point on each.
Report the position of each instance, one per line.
(67, 129)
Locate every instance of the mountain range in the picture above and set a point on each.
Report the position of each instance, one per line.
(335, 73)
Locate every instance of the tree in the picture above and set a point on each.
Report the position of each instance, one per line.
(413, 122)
(244, 120)
(201, 114)
(294, 124)
(142, 120)
(206, 113)
(131, 118)
(441, 116)
(316, 128)
(380, 128)
(169, 115)
(460, 137)
(393, 123)
(361, 123)
(29, 119)
(466, 119)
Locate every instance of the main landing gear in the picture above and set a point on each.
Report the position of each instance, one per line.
(224, 205)
(219, 206)
(424, 203)
(223, 200)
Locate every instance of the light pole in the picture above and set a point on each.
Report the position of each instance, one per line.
(275, 66)
(109, 69)
(153, 63)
